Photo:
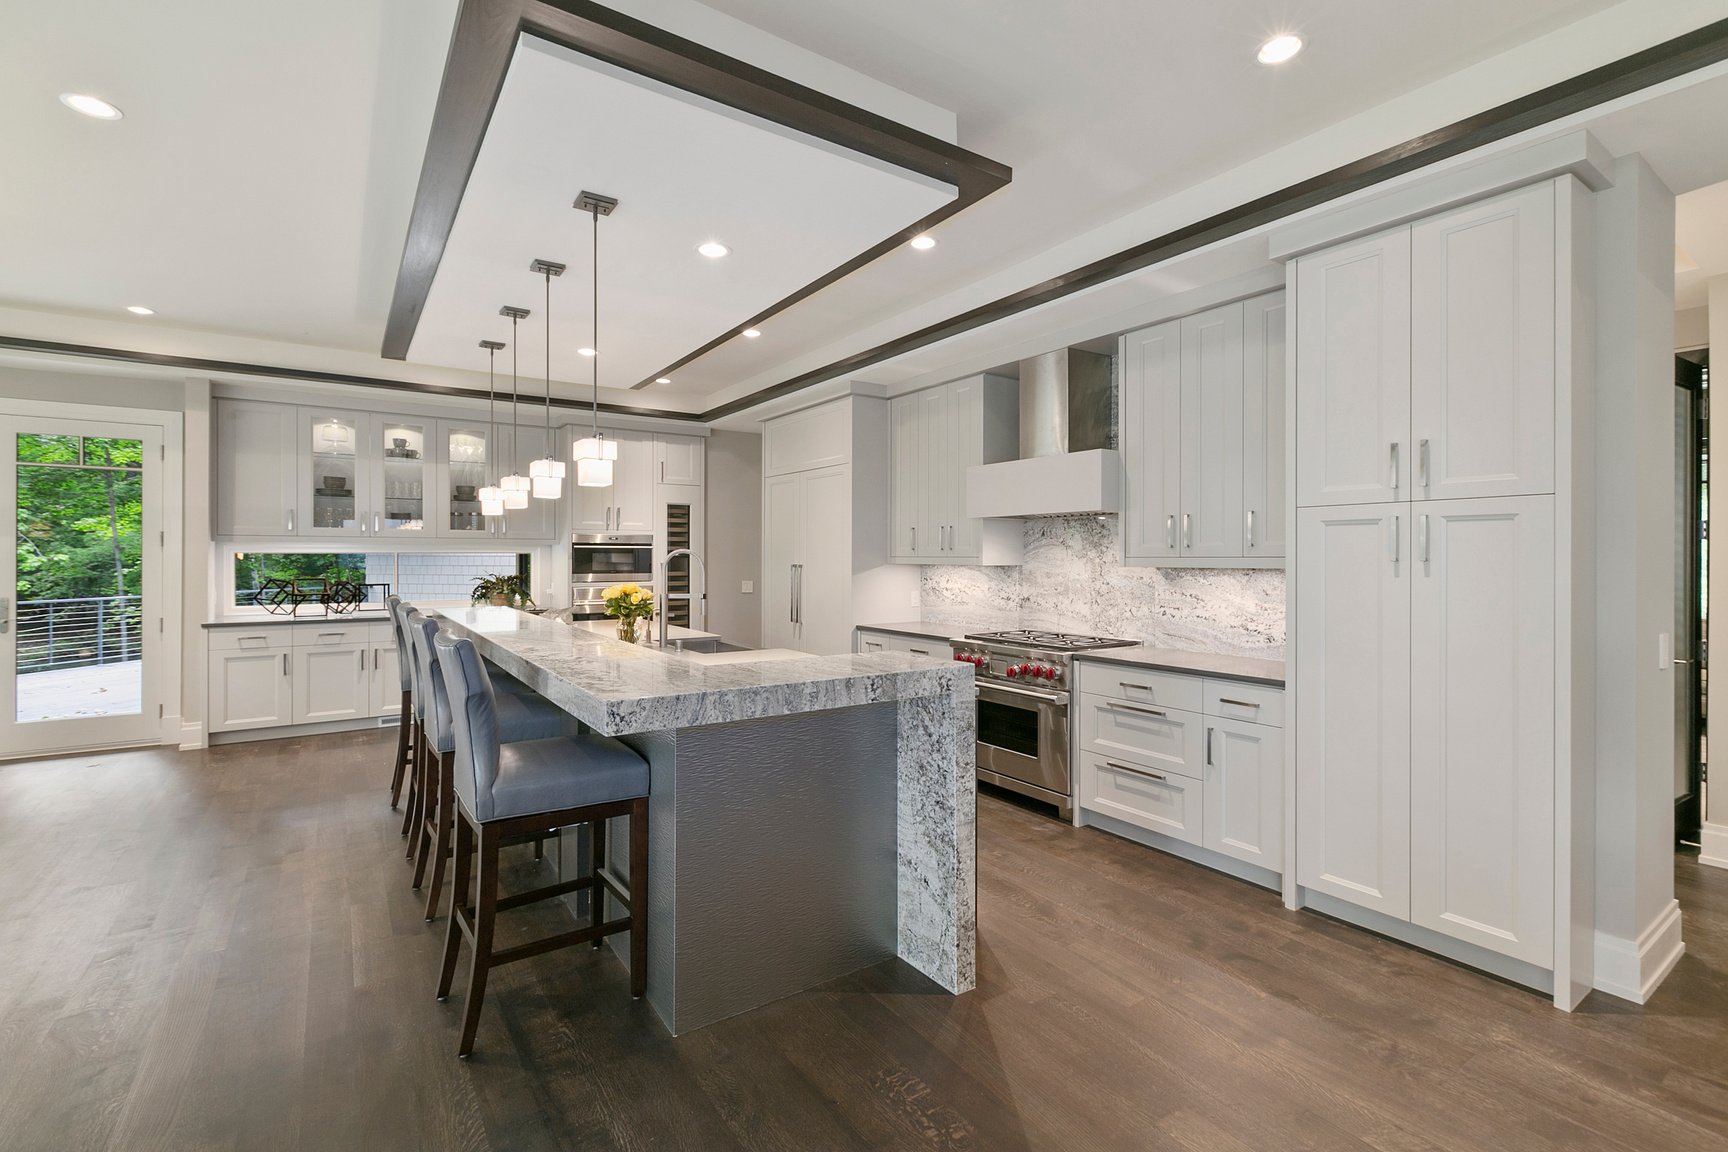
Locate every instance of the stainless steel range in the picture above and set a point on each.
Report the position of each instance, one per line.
(1023, 679)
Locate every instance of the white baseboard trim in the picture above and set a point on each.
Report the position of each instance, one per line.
(1633, 969)
(1713, 845)
(191, 735)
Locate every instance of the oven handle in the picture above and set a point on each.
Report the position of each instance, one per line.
(1046, 697)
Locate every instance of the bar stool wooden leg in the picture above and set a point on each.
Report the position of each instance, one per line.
(597, 862)
(459, 910)
(413, 771)
(445, 824)
(434, 804)
(402, 736)
(485, 917)
(639, 898)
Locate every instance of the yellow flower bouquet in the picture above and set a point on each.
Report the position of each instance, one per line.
(629, 603)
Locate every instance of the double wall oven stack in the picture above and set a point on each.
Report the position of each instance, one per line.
(1023, 682)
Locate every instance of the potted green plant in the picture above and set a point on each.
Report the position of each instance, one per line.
(503, 591)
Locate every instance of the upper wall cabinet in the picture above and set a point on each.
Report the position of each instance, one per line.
(1203, 434)
(1427, 358)
(934, 436)
(628, 504)
(281, 470)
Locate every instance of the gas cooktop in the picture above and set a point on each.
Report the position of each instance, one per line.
(1046, 641)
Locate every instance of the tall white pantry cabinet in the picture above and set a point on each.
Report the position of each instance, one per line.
(1432, 646)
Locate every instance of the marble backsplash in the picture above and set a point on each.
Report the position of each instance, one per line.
(1073, 580)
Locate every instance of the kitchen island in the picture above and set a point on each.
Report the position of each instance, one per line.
(809, 815)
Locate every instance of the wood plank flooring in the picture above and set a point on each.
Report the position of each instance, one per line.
(220, 950)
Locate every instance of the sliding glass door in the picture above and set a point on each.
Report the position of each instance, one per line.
(80, 619)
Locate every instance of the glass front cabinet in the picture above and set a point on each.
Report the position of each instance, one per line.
(466, 461)
(403, 488)
(333, 483)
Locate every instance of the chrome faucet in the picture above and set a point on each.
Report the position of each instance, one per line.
(662, 595)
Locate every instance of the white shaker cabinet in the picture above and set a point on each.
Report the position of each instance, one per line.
(627, 504)
(1482, 348)
(782, 552)
(255, 469)
(1151, 402)
(678, 459)
(935, 435)
(1212, 433)
(1243, 792)
(1352, 679)
(1353, 364)
(251, 678)
(331, 679)
(1264, 482)
(1482, 723)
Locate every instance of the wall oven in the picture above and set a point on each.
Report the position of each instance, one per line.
(600, 559)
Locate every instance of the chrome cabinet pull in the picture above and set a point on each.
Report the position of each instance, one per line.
(1187, 535)
(290, 519)
(1394, 465)
(1209, 732)
(1422, 536)
(1394, 540)
(1250, 527)
(1170, 531)
(1238, 703)
(914, 540)
(1136, 771)
(792, 594)
(362, 655)
(377, 520)
(1422, 463)
(1132, 708)
(918, 651)
(5, 614)
(284, 663)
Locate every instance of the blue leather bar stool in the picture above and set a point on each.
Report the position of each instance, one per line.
(519, 718)
(405, 731)
(504, 790)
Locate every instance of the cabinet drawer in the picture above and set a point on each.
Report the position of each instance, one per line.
(357, 635)
(1155, 801)
(1234, 700)
(912, 646)
(262, 639)
(1159, 739)
(1141, 686)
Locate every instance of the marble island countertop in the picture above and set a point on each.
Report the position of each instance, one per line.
(618, 689)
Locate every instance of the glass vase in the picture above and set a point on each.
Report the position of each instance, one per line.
(627, 629)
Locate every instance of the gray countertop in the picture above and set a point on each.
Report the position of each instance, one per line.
(370, 617)
(618, 689)
(930, 630)
(1248, 669)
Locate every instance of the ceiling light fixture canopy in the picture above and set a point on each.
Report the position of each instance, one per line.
(92, 106)
(594, 453)
(1279, 49)
(491, 496)
(515, 485)
(547, 473)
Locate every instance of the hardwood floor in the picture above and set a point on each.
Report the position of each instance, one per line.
(220, 951)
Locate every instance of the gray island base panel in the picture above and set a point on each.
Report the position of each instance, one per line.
(809, 815)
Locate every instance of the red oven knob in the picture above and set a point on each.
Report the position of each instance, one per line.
(1013, 671)
(1025, 669)
(1048, 673)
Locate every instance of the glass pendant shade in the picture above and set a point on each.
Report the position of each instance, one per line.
(491, 501)
(594, 473)
(594, 456)
(548, 478)
(516, 488)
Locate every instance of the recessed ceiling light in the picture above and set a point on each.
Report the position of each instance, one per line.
(92, 106)
(140, 310)
(664, 380)
(923, 243)
(584, 351)
(713, 249)
(1279, 49)
(751, 333)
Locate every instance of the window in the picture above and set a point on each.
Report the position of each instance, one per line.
(428, 576)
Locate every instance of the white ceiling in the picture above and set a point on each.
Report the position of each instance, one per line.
(260, 182)
(790, 208)
(250, 194)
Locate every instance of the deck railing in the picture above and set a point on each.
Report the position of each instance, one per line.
(78, 633)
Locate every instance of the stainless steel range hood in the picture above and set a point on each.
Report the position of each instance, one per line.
(1067, 466)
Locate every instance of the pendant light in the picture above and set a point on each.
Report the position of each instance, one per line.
(594, 453)
(547, 473)
(515, 485)
(491, 496)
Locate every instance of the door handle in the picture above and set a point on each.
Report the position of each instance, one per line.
(1422, 464)
(290, 519)
(1250, 527)
(5, 614)
(1394, 465)
(284, 663)
(914, 540)
(1187, 534)
(1170, 531)
(1422, 536)
(362, 655)
(1209, 732)
(792, 594)
(1394, 540)
(377, 520)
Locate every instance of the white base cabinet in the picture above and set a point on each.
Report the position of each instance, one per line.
(1197, 759)
(277, 675)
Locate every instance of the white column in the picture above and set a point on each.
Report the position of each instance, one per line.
(198, 576)
(1637, 919)
(1715, 833)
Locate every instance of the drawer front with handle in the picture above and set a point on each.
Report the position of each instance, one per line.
(1140, 685)
(1147, 798)
(265, 639)
(1255, 703)
(869, 641)
(333, 635)
(1161, 739)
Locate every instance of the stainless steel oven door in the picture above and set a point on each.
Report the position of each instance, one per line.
(1023, 741)
(611, 558)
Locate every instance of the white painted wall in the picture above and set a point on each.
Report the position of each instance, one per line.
(1714, 838)
(1692, 328)
(1637, 920)
(734, 530)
